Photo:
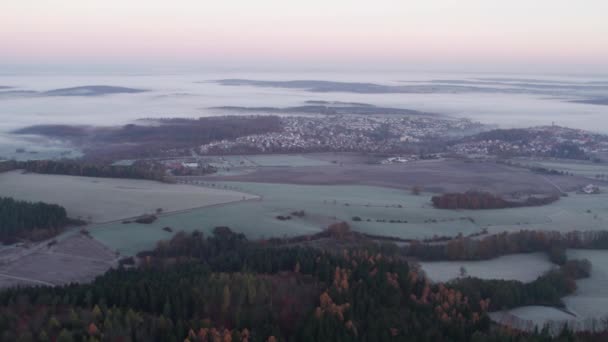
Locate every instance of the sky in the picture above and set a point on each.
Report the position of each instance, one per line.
(484, 35)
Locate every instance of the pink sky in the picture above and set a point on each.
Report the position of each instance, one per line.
(561, 34)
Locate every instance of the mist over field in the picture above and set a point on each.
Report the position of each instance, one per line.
(505, 100)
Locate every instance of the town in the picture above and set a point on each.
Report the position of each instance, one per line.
(347, 133)
(545, 141)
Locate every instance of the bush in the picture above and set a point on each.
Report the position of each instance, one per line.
(557, 255)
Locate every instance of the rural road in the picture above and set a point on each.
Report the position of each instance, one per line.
(27, 279)
(553, 184)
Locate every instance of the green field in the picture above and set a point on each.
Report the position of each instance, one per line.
(529, 318)
(588, 303)
(575, 212)
(591, 297)
(507, 267)
(322, 204)
(326, 204)
(285, 160)
(576, 167)
(108, 199)
(239, 165)
(266, 160)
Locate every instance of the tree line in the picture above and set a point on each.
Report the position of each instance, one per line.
(495, 245)
(139, 170)
(231, 284)
(546, 290)
(223, 287)
(484, 200)
(22, 219)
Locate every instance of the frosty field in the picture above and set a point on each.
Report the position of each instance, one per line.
(263, 160)
(591, 297)
(285, 160)
(322, 204)
(585, 309)
(579, 168)
(522, 267)
(74, 258)
(107, 199)
(528, 318)
(326, 204)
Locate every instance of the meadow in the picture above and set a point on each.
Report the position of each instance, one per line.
(507, 267)
(585, 309)
(322, 205)
(529, 318)
(575, 167)
(290, 160)
(413, 216)
(591, 297)
(107, 199)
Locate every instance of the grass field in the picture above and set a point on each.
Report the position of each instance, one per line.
(576, 167)
(326, 204)
(266, 160)
(231, 166)
(529, 318)
(588, 304)
(108, 199)
(575, 212)
(285, 160)
(591, 297)
(323, 205)
(508, 267)
(444, 175)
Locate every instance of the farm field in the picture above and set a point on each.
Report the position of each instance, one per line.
(76, 258)
(285, 160)
(575, 212)
(323, 205)
(445, 175)
(239, 165)
(508, 267)
(528, 318)
(591, 297)
(579, 168)
(107, 199)
(585, 309)
(413, 216)
(265, 160)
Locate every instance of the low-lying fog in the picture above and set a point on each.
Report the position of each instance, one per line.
(529, 100)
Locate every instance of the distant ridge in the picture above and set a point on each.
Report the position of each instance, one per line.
(596, 101)
(316, 86)
(88, 90)
(329, 108)
(91, 90)
(445, 86)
